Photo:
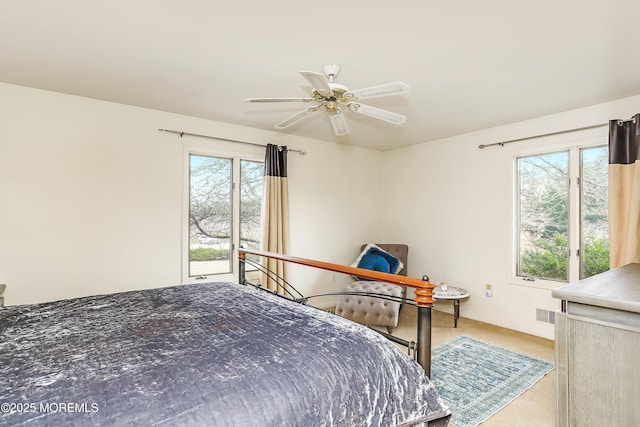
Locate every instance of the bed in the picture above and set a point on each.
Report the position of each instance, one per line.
(205, 354)
(423, 290)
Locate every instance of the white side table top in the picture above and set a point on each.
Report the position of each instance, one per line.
(452, 292)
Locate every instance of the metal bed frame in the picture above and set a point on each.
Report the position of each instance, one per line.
(423, 289)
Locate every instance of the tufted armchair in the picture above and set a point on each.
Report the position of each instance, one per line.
(371, 310)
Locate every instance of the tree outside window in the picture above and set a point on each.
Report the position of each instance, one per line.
(594, 215)
(219, 219)
(545, 222)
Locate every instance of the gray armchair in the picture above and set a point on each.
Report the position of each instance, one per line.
(371, 310)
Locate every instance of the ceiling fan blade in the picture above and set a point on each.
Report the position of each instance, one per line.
(381, 90)
(318, 82)
(278, 100)
(291, 120)
(378, 113)
(339, 123)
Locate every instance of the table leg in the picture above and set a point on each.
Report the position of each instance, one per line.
(456, 312)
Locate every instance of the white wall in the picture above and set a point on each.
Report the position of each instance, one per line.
(91, 196)
(91, 201)
(458, 211)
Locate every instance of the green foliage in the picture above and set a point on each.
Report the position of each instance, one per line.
(208, 254)
(554, 207)
(596, 257)
(548, 260)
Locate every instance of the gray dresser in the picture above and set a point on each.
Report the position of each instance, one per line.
(598, 350)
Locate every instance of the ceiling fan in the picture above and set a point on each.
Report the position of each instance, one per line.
(335, 98)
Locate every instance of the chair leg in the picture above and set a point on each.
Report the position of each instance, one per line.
(390, 329)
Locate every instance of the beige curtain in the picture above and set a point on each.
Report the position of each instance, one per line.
(275, 216)
(624, 191)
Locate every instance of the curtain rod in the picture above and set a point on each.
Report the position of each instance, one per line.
(501, 143)
(620, 122)
(181, 133)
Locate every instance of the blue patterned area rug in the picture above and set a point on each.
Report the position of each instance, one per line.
(477, 379)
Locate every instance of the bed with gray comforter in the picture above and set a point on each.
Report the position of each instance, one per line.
(208, 354)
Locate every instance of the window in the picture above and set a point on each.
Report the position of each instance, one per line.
(224, 206)
(594, 222)
(251, 178)
(561, 231)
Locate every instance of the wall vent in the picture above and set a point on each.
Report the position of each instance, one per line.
(546, 316)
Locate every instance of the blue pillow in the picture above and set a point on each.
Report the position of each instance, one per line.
(375, 258)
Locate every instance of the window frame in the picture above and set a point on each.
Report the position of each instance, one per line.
(573, 143)
(236, 157)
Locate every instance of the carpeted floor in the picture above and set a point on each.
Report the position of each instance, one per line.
(536, 406)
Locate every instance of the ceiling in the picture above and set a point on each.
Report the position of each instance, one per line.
(471, 65)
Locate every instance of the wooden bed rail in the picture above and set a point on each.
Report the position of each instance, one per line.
(422, 288)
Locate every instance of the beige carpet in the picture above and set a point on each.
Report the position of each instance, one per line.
(535, 407)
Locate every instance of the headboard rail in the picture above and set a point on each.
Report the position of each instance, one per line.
(423, 288)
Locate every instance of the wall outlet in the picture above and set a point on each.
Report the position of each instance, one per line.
(488, 292)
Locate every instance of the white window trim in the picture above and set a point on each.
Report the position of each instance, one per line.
(201, 150)
(571, 142)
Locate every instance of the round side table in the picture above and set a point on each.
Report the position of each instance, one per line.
(451, 293)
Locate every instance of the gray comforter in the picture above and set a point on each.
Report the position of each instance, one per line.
(207, 354)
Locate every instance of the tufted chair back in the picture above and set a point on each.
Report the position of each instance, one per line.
(371, 310)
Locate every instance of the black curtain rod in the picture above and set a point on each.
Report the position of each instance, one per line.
(501, 143)
(181, 133)
(620, 122)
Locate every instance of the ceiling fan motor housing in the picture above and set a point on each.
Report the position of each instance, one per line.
(332, 103)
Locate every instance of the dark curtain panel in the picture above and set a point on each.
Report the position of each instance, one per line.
(275, 161)
(275, 215)
(624, 191)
